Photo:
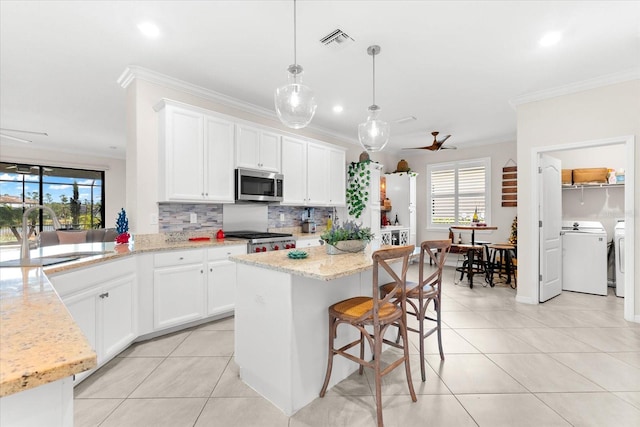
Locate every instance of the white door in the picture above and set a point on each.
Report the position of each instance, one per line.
(550, 210)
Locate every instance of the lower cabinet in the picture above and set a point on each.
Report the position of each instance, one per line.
(194, 284)
(221, 279)
(178, 288)
(105, 309)
(399, 236)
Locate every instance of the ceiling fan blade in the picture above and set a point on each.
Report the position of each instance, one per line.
(430, 148)
(441, 141)
(449, 148)
(23, 131)
(15, 138)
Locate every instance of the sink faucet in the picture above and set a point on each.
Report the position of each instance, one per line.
(24, 248)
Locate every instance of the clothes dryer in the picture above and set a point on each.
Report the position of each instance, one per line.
(618, 239)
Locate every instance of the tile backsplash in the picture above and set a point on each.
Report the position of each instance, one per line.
(176, 217)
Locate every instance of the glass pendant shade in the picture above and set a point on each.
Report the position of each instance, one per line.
(374, 133)
(295, 103)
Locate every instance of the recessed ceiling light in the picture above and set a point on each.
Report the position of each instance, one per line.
(550, 38)
(149, 29)
(338, 109)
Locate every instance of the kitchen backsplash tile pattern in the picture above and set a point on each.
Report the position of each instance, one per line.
(176, 217)
(293, 216)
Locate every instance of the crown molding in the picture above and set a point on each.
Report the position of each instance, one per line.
(580, 86)
(134, 72)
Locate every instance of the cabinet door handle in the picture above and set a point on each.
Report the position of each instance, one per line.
(181, 258)
(104, 295)
(211, 270)
(201, 271)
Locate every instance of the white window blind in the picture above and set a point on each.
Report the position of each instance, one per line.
(456, 190)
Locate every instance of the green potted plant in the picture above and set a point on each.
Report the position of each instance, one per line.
(347, 237)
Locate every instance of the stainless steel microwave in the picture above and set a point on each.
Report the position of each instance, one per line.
(258, 186)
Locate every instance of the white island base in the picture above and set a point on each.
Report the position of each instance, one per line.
(281, 324)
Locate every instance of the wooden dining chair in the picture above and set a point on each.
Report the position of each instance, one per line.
(372, 316)
(426, 290)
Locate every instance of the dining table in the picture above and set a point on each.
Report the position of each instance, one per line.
(473, 249)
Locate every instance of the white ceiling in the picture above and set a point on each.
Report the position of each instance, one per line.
(453, 65)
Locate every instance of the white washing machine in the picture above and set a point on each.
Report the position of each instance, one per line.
(618, 239)
(584, 257)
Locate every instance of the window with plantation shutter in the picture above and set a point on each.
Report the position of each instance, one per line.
(456, 190)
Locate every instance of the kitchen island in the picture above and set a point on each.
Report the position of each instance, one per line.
(281, 323)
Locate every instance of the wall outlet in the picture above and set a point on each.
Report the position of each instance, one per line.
(281, 217)
(193, 218)
(153, 219)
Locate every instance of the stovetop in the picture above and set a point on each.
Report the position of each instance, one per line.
(254, 234)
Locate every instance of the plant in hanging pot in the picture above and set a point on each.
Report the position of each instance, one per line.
(122, 227)
(347, 237)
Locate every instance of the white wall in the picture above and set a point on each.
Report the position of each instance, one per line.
(114, 175)
(602, 113)
(142, 144)
(501, 217)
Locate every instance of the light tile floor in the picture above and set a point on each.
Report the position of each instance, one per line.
(572, 361)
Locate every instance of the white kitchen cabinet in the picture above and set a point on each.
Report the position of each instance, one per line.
(394, 236)
(257, 149)
(294, 169)
(317, 175)
(103, 302)
(337, 177)
(196, 155)
(221, 279)
(314, 174)
(179, 292)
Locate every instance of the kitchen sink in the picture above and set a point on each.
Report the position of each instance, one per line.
(50, 260)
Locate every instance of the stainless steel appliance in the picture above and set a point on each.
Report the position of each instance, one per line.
(309, 226)
(263, 242)
(258, 186)
(308, 222)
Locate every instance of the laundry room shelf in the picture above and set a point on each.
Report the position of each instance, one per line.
(579, 186)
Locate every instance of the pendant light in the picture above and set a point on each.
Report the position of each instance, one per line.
(374, 133)
(295, 102)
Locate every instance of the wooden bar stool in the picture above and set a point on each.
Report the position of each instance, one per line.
(501, 261)
(377, 314)
(426, 290)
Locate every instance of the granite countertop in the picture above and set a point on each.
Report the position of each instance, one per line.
(318, 264)
(39, 340)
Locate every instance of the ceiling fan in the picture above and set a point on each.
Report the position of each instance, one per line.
(4, 134)
(437, 144)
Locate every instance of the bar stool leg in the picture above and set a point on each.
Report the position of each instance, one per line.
(332, 332)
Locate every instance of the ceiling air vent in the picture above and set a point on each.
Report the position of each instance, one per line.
(335, 38)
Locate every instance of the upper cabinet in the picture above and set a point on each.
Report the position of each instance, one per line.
(196, 155)
(257, 149)
(314, 174)
(337, 177)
